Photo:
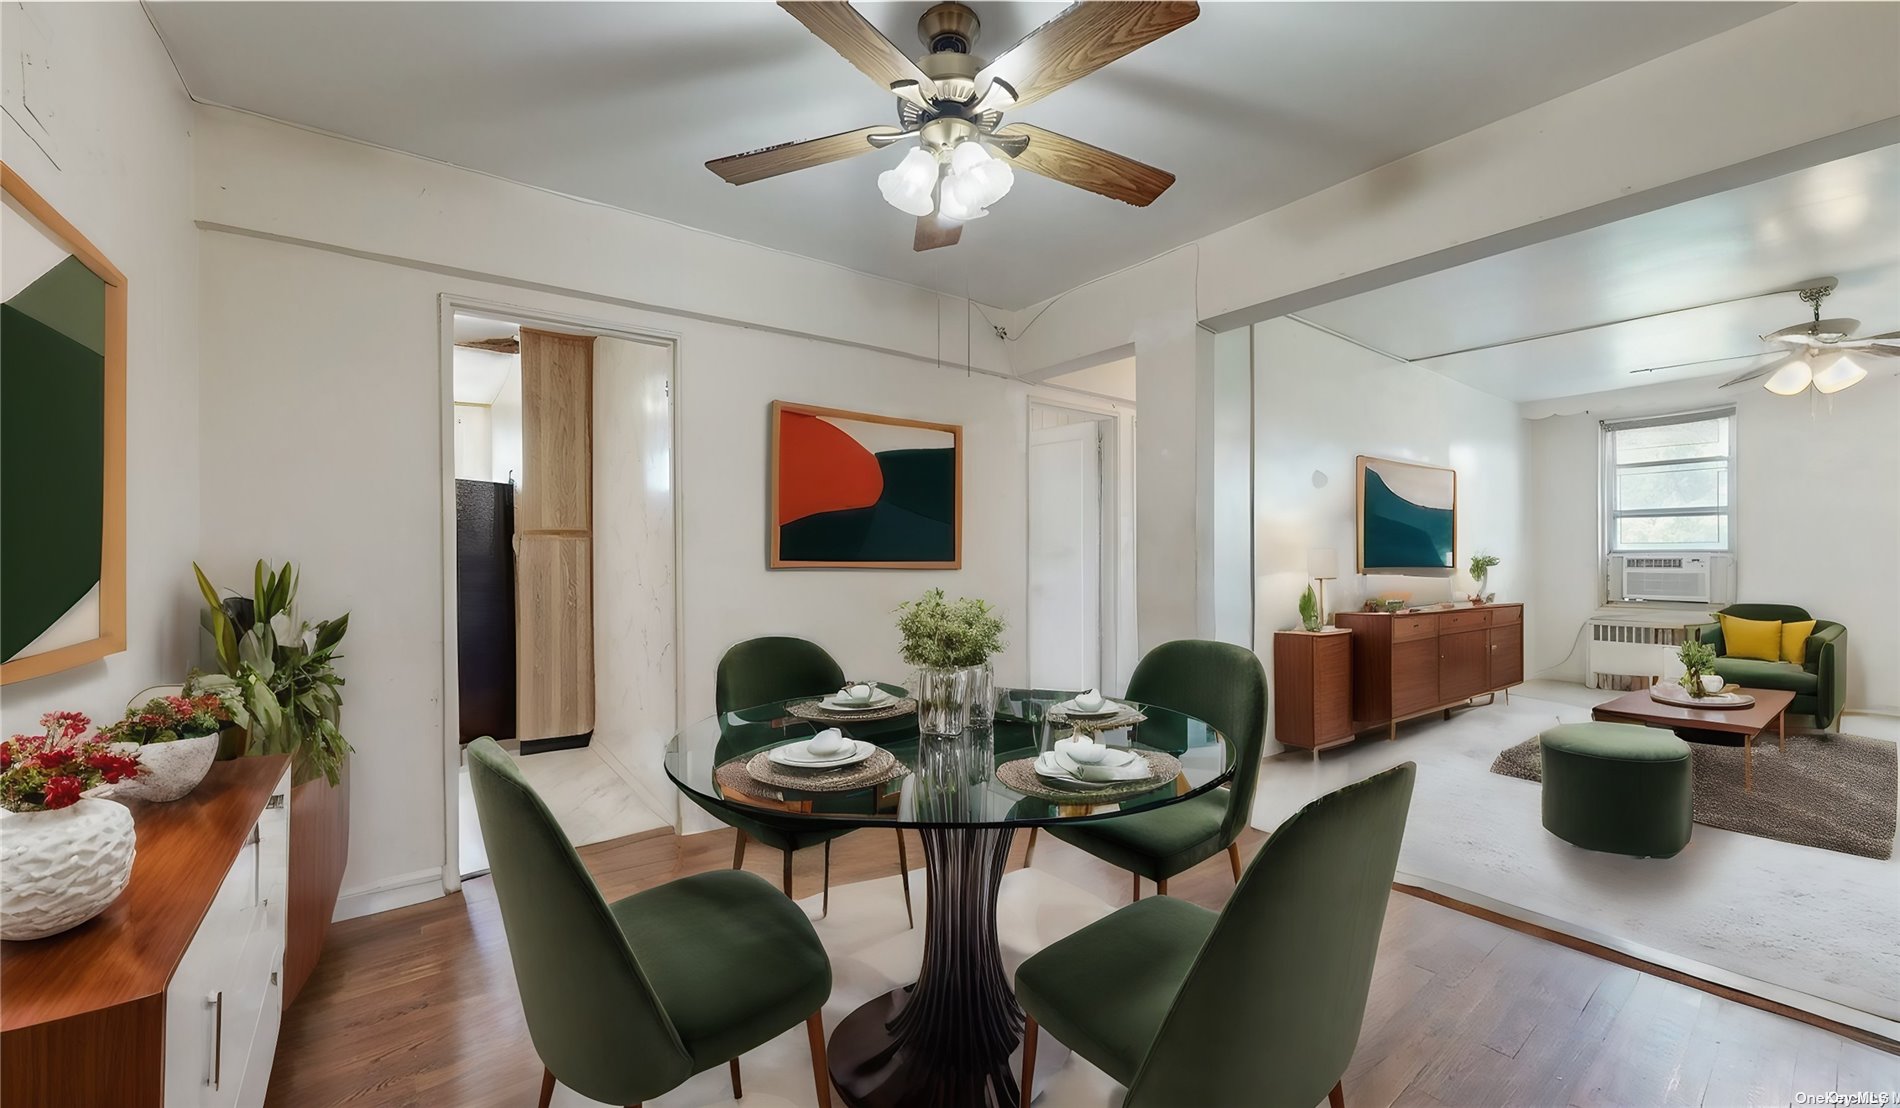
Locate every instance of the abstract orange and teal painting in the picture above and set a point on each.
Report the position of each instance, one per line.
(851, 489)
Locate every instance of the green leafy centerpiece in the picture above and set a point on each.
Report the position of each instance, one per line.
(950, 643)
(1481, 566)
(1698, 663)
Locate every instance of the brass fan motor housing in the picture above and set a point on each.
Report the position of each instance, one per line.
(949, 28)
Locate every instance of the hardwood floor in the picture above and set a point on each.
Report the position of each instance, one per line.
(418, 1006)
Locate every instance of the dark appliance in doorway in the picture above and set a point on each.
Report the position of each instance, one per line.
(485, 608)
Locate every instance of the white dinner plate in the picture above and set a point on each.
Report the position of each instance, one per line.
(1108, 708)
(832, 703)
(794, 755)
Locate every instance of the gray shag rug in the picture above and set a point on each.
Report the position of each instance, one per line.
(1835, 792)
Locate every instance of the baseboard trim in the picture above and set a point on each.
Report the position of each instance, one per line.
(390, 893)
(561, 742)
(1859, 1034)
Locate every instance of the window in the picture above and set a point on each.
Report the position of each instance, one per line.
(1668, 482)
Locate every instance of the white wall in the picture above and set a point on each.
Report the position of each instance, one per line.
(1817, 515)
(1320, 402)
(504, 429)
(474, 442)
(120, 171)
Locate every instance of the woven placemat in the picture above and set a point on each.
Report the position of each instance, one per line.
(817, 712)
(1085, 725)
(1021, 775)
(757, 775)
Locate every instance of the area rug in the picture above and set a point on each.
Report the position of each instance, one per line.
(1835, 792)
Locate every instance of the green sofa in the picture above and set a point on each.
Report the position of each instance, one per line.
(1819, 685)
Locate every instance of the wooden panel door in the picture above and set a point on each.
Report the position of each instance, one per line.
(1332, 688)
(557, 420)
(554, 642)
(1507, 654)
(1414, 676)
(1464, 664)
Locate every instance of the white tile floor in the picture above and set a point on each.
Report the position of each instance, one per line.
(591, 801)
(1812, 927)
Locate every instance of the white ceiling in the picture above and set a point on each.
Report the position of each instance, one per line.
(1251, 106)
(1670, 295)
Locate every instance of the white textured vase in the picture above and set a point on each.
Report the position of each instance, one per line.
(59, 869)
(1713, 683)
(167, 770)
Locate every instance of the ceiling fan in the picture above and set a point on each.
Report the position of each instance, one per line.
(1823, 355)
(952, 104)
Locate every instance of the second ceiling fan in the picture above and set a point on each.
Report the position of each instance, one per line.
(952, 105)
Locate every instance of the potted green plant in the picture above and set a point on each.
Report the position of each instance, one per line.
(1481, 566)
(281, 670)
(64, 855)
(1698, 664)
(950, 644)
(1309, 609)
(175, 738)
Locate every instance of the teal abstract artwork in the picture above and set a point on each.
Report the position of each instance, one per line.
(1408, 517)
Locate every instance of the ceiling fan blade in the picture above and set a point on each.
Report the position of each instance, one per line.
(1774, 362)
(743, 169)
(934, 231)
(850, 34)
(1083, 39)
(1073, 162)
(1870, 340)
(1811, 334)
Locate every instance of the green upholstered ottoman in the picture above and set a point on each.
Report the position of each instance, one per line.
(1617, 787)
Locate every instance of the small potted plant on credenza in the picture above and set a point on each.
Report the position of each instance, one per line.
(64, 856)
(281, 670)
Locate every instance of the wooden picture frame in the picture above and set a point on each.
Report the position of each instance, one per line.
(1362, 462)
(111, 637)
(781, 492)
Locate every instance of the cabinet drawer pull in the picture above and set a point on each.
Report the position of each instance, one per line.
(216, 1003)
(274, 803)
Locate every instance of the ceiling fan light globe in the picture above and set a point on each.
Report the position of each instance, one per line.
(1841, 373)
(1791, 378)
(907, 187)
(958, 198)
(968, 155)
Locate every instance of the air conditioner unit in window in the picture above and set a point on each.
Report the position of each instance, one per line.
(1673, 578)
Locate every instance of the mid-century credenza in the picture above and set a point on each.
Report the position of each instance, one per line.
(170, 997)
(1413, 663)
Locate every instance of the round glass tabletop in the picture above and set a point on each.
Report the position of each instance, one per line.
(939, 781)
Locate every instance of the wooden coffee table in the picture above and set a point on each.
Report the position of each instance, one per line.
(1769, 710)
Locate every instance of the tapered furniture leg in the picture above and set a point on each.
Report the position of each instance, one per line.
(1029, 852)
(1029, 1060)
(948, 1040)
(547, 1086)
(824, 904)
(903, 873)
(1161, 887)
(820, 1070)
(738, 1092)
(1135, 880)
(1233, 856)
(786, 878)
(738, 850)
(1337, 1098)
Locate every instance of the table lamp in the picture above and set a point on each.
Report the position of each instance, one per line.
(1322, 564)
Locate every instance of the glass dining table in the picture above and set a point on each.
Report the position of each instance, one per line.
(947, 1039)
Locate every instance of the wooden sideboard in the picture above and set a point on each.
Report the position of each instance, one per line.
(172, 996)
(1416, 662)
(1312, 688)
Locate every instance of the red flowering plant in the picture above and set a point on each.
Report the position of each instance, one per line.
(41, 773)
(165, 719)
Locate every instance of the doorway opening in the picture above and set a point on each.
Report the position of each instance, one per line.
(1073, 521)
(562, 560)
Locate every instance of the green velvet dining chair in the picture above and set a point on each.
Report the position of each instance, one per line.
(765, 671)
(625, 1001)
(1225, 686)
(1259, 1004)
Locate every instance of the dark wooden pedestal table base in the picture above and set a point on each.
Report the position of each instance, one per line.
(946, 1041)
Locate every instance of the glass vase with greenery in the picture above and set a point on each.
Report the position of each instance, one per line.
(1698, 661)
(950, 644)
(1309, 609)
(279, 670)
(1481, 566)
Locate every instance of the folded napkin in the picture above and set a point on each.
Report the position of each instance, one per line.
(1118, 765)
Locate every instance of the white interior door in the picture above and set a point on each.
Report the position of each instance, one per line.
(1065, 556)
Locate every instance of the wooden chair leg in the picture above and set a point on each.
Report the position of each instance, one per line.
(1337, 1098)
(824, 904)
(786, 877)
(547, 1086)
(820, 1071)
(738, 849)
(1029, 1060)
(738, 1092)
(1233, 856)
(903, 871)
(1161, 887)
(1029, 852)
(1137, 885)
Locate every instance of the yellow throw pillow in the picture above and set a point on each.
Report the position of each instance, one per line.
(1759, 639)
(1794, 641)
